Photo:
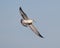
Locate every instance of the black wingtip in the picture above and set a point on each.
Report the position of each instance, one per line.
(41, 36)
(20, 8)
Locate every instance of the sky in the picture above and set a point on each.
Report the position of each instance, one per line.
(46, 14)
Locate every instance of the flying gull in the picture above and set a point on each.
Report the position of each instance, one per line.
(28, 22)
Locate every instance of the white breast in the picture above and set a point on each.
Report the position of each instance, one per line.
(27, 21)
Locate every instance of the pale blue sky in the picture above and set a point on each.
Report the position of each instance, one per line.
(46, 14)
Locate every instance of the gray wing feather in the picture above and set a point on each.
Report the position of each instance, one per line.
(23, 14)
(35, 30)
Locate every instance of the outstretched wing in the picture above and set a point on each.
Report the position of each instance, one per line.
(35, 30)
(23, 14)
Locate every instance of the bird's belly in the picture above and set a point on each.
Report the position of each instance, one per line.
(27, 21)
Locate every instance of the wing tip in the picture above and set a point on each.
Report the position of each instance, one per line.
(41, 36)
(20, 8)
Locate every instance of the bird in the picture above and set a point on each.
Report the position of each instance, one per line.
(27, 22)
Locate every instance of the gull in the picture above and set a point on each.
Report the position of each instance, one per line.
(25, 21)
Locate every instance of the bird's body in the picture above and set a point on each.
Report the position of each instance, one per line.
(28, 22)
